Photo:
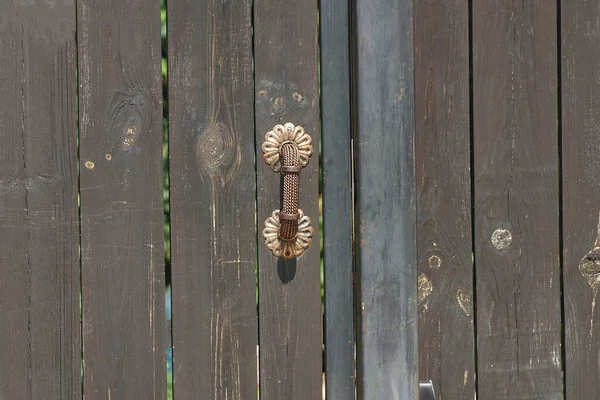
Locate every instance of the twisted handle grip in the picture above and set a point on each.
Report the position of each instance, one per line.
(287, 149)
(288, 216)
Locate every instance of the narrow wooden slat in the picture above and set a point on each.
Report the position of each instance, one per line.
(212, 199)
(445, 281)
(121, 199)
(40, 339)
(337, 199)
(581, 203)
(386, 211)
(516, 199)
(286, 90)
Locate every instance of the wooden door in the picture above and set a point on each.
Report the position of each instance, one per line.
(132, 183)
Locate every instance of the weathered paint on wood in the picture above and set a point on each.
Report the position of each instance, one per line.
(337, 200)
(386, 250)
(40, 339)
(515, 114)
(445, 280)
(581, 204)
(121, 199)
(213, 195)
(286, 90)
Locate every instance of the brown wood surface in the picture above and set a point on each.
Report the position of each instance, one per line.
(445, 280)
(581, 204)
(516, 191)
(39, 264)
(121, 199)
(213, 181)
(286, 90)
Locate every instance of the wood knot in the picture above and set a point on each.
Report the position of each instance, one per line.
(501, 239)
(425, 287)
(589, 266)
(435, 261)
(301, 101)
(463, 298)
(217, 153)
(297, 97)
(129, 118)
(278, 105)
(129, 136)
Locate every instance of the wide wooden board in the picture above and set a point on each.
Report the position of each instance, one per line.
(213, 181)
(516, 164)
(443, 176)
(580, 35)
(122, 250)
(40, 338)
(286, 90)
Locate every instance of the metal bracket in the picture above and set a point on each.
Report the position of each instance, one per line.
(426, 391)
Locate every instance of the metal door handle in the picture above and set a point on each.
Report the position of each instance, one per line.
(287, 149)
(426, 391)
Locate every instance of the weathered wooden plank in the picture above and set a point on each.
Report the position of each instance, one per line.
(285, 59)
(516, 199)
(40, 337)
(337, 199)
(211, 114)
(445, 281)
(386, 211)
(580, 33)
(121, 199)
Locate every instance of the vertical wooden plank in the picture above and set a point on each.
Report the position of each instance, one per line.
(516, 199)
(40, 339)
(337, 199)
(286, 90)
(580, 22)
(121, 199)
(445, 280)
(386, 209)
(213, 178)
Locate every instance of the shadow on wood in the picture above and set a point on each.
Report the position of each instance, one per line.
(286, 269)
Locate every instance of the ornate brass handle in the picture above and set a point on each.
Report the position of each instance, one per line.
(287, 149)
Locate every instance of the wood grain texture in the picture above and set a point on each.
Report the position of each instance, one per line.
(286, 90)
(121, 199)
(516, 193)
(337, 200)
(386, 210)
(581, 203)
(213, 195)
(40, 339)
(445, 280)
